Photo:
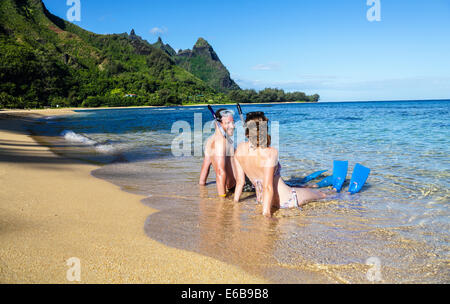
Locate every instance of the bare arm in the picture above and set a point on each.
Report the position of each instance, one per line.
(205, 170)
(269, 169)
(240, 180)
(268, 190)
(219, 158)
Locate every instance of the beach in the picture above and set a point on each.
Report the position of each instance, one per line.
(53, 209)
(104, 186)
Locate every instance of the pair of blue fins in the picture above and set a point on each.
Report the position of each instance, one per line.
(340, 168)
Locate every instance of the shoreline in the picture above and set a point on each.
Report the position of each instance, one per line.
(55, 110)
(53, 209)
(204, 104)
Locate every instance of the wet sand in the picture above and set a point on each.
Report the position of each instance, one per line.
(52, 209)
(322, 243)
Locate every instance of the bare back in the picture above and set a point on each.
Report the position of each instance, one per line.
(260, 165)
(218, 150)
(254, 161)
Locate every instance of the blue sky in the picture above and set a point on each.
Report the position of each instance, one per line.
(316, 46)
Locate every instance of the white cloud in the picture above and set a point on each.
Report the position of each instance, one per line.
(344, 88)
(158, 30)
(342, 83)
(266, 66)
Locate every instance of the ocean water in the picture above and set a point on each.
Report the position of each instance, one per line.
(396, 230)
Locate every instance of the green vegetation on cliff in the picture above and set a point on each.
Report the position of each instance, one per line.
(204, 63)
(47, 61)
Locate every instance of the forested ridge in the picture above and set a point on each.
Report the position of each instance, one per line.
(46, 61)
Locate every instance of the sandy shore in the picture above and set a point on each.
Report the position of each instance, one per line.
(52, 209)
(54, 111)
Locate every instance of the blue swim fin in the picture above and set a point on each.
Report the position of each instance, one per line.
(327, 181)
(359, 177)
(339, 174)
(312, 176)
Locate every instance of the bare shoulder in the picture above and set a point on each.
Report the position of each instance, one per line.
(271, 153)
(216, 141)
(209, 144)
(270, 157)
(210, 140)
(241, 148)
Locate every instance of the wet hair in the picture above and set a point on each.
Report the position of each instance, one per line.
(223, 113)
(257, 130)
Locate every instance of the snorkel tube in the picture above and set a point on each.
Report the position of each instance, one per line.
(240, 114)
(224, 134)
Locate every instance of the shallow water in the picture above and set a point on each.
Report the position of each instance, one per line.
(400, 219)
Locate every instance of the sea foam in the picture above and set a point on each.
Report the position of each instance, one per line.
(73, 137)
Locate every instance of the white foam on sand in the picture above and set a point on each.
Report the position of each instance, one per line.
(73, 137)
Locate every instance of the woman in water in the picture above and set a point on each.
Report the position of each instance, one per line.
(259, 161)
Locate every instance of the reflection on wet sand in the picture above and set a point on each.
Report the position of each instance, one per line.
(196, 219)
(223, 234)
(325, 242)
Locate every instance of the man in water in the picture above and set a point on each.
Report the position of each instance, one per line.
(219, 152)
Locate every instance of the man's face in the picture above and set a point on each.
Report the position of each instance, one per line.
(228, 125)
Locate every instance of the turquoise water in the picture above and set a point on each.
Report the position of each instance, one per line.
(401, 217)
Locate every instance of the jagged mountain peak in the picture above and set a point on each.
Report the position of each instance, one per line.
(164, 47)
(203, 62)
(202, 43)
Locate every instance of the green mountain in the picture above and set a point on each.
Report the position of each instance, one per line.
(46, 60)
(203, 62)
(164, 47)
